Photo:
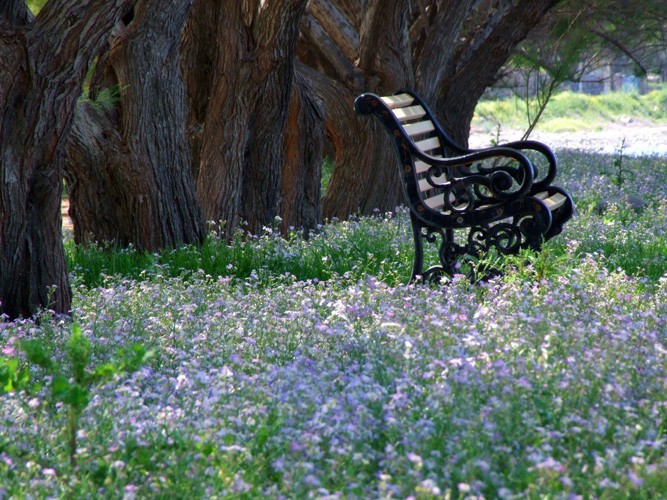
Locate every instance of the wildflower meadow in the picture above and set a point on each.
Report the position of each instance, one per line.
(296, 368)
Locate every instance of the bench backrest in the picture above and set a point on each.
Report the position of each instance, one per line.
(413, 126)
(445, 184)
(420, 127)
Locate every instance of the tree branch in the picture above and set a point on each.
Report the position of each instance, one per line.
(327, 49)
(385, 53)
(463, 87)
(276, 21)
(622, 48)
(336, 25)
(440, 42)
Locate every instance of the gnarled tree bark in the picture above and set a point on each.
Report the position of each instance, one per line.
(129, 163)
(239, 120)
(300, 190)
(365, 176)
(43, 63)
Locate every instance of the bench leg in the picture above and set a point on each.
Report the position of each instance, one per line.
(448, 251)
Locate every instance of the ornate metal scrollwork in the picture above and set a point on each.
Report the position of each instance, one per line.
(503, 237)
(478, 186)
(434, 274)
(449, 251)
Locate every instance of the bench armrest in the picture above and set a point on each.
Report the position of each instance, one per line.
(508, 174)
(543, 159)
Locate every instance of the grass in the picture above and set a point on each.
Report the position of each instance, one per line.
(285, 368)
(572, 111)
(378, 246)
(381, 246)
(35, 5)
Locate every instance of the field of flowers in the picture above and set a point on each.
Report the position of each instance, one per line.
(309, 369)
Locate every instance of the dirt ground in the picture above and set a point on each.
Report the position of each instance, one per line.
(635, 138)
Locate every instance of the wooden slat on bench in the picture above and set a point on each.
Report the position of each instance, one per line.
(424, 127)
(555, 201)
(425, 185)
(398, 101)
(435, 202)
(409, 113)
(421, 167)
(428, 144)
(552, 202)
(438, 201)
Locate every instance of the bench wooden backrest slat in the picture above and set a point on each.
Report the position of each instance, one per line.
(417, 128)
(555, 201)
(552, 202)
(400, 107)
(398, 101)
(424, 185)
(429, 144)
(435, 202)
(421, 167)
(409, 113)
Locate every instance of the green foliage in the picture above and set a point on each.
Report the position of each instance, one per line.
(78, 350)
(620, 174)
(13, 376)
(36, 5)
(546, 66)
(71, 384)
(571, 111)
(356, 247)
(37, 353)
(104, 99)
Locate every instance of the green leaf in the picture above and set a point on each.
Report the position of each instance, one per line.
(70, 393)
(136, 356)
(77, 396)
(7, 374)
(37, 353)
(59, 387)
(79, 350)
(105, 371)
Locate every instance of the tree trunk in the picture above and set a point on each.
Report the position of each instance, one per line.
(243, 132)
(479, 61)
(385, 51)
(365, 176)
(129, 165)
(300, 190)
(362, 155)
(42, 67)
(198, 60)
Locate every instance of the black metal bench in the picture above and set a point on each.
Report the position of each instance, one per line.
(476, 202)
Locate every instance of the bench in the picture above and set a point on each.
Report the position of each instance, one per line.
(476, 203)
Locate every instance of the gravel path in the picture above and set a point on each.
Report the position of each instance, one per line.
(640, 139)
